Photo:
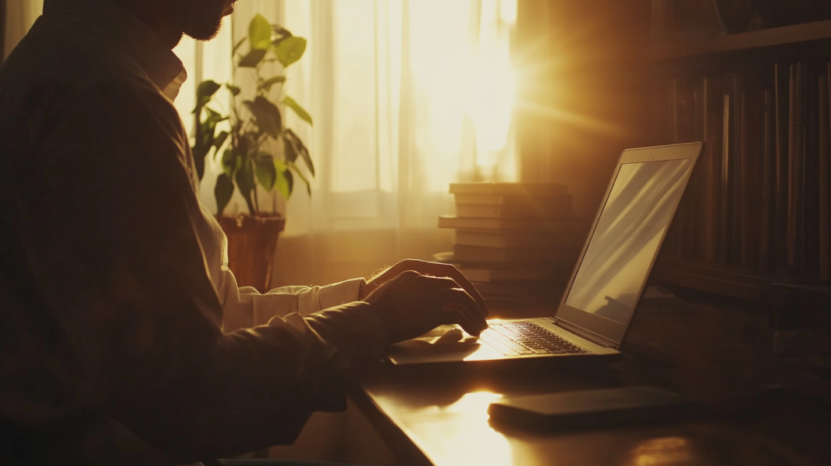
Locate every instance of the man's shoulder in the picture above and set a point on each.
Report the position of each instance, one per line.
(66, 58)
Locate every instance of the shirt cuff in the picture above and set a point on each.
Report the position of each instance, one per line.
(339, 293)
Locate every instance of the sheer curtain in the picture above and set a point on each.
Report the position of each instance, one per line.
(407, 96)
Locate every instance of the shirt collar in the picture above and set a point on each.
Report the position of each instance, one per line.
(162, 66)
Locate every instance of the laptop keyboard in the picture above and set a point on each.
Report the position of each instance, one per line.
(514, 338)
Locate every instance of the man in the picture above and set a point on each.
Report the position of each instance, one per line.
(113, 278)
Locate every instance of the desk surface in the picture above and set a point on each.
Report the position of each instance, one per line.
(717, 355)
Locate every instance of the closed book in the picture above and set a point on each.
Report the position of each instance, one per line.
(492, 211)
(511, 274)
(825, 177)
(516, 239)
(480, 254)
(533, 189)
(713, 113)
(781, 137)
(519, 200)
(564, 225)
(767, 210)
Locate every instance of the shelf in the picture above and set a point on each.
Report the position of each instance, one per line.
(717, 280)
(749, 40)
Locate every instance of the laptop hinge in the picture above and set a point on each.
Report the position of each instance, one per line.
(592, 337)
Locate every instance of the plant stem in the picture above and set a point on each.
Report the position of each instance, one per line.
(256, 197)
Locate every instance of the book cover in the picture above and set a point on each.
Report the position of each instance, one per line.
(825, 175)
(526, 189)
(724, 183)
(809, 216)
(750, 177)
(480, 254)
(767, 211)
(572, 225)
(782, 86)
(711, 163)
(516, 239)
(503, 211)
(512, 200)
(496, 274)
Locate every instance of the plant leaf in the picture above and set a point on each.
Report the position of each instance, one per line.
(214, 116)
(281, 33)
(220, 139)
(300, 111)
(300, 149)
(265, 171)
(285, 183)
(204, 92)
(238, 45)
(259, 33)
(270, 82)
(290, 152)
(266, 115)
(252, 58)
(207, 88)
(290, 50)
(223, 191)
(235, 90)
(296, 169)
(244, 179)
(229, 163)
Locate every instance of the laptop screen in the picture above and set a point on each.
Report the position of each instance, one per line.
(629, 230)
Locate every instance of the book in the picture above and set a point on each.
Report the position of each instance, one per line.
(500, 211)
(533, 189)
(497, 274)
(481, 254)
(569, 225)
(825, 175)
(724, 184)
(713, 126)
(782, 123)
(767, 210)
(513, 200)
(516, 239)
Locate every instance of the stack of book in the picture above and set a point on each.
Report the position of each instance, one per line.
(514, 238)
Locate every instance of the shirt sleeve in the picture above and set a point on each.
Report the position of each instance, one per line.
(246, 307)
(107, 211)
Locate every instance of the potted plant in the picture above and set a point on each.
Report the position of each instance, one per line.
(256, 149)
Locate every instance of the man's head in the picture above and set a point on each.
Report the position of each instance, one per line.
(170, 19)
(200, 19)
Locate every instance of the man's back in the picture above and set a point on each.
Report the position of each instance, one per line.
(50, 397)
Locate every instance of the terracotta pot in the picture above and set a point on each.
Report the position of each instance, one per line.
(251, 243)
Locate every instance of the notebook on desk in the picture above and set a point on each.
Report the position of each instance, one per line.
(599, 302)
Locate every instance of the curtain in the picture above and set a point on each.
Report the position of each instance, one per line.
(407, 96)
(19, 17)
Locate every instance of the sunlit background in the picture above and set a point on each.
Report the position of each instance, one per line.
(407, 97)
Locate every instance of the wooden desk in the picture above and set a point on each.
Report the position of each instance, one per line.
(715, 353)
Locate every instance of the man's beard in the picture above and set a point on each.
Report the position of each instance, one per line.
(200, 19)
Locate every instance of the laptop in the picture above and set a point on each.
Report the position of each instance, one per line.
(608, 280)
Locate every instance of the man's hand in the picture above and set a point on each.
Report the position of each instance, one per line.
(434, 269)
(412, 304)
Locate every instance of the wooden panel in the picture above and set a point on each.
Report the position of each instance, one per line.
(748, 40)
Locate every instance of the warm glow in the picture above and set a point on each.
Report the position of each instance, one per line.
(667, 450)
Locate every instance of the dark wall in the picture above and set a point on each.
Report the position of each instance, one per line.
(581, 90)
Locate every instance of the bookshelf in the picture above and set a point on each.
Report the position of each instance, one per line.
(659, 93)
(781, 36)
